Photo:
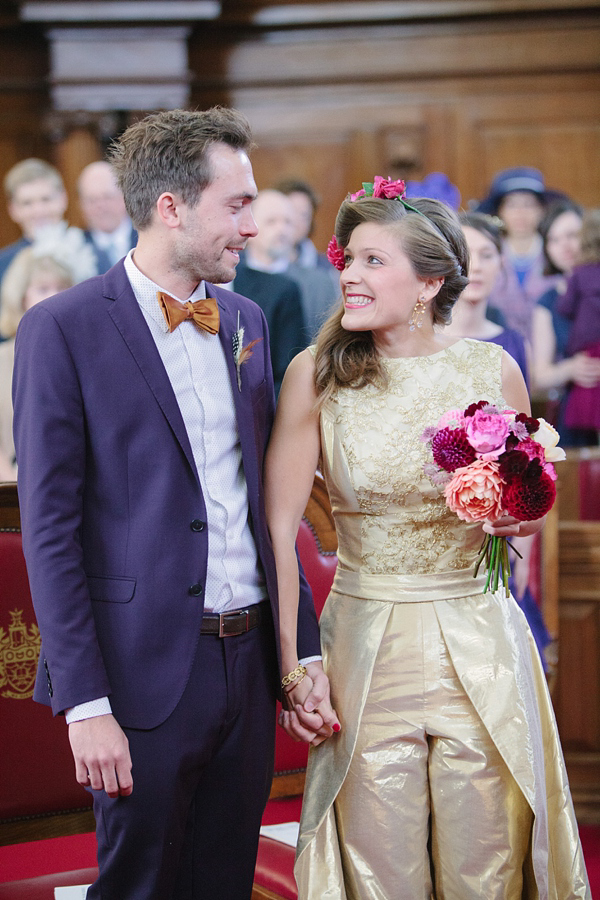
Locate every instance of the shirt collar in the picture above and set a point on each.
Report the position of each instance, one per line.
(145, 291)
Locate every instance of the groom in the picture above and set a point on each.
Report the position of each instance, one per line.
(140, 424)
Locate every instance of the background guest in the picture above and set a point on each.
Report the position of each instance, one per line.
(554, 371)
(38, 271)
(581, 306)
(519, 197)
(109, 230)
(35, 197)
(279, 298)
(272, 250)
(484, 240)
(305, 201)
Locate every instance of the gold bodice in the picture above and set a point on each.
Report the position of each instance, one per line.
(390, 518)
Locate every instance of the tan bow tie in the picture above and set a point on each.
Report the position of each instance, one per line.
(205, 313)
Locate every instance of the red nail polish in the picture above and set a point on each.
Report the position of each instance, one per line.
(337, 727)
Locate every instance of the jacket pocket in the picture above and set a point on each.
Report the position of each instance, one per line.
(111, 590)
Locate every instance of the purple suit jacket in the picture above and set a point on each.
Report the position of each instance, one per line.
(108, 491)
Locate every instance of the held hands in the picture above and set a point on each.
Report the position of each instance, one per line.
(101, 753)
(309, 716)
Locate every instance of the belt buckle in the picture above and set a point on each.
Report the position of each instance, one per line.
(228, 615)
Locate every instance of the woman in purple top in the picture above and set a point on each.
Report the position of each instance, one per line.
(581, 305)
(484, 240)
(469, 319)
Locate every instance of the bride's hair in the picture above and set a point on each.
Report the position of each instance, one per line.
(434, 243)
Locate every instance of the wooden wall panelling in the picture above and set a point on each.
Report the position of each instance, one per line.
(558, 132)
(74, 151)
(23, 98)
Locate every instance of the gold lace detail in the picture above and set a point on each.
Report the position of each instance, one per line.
(382, 501)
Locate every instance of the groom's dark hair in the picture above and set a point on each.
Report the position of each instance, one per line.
(168, 151)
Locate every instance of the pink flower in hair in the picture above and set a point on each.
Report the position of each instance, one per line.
(357, 194)
(335, 254)
(384, 187)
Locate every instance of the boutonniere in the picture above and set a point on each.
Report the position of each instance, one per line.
(241, 353)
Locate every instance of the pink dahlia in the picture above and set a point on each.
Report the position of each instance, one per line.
(335, 254)
(451, 449)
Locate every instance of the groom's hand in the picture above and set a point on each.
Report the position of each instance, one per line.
(101, 752)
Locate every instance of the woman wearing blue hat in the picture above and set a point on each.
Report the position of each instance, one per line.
(519, 197)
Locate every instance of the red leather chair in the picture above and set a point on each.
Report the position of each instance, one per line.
(36, 766)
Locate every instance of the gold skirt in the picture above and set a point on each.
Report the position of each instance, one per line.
(468, 722)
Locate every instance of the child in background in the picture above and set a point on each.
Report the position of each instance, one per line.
(581, 305)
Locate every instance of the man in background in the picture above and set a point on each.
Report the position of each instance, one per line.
(273, 250)
(108, 227)
(35, 197)
(305, 201)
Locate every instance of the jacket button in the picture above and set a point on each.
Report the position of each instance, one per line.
(197, 525)
(195, 590)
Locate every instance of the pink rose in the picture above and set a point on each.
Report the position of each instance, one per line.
(358, 194)
(487, 432)
(475, 492)
(383, 187)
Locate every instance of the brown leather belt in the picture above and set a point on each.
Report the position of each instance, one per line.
(228, 624)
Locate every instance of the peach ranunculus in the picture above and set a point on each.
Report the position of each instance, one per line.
(474, 492)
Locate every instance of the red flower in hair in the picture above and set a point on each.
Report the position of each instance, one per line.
(335, 254)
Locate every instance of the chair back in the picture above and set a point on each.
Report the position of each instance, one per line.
(37, 772)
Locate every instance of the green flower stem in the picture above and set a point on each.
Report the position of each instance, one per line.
(494, 550)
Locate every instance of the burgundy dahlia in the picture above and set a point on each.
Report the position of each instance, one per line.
(529, 499)
(512, 463)
(529, 422)
(472, 409)
(451, 449)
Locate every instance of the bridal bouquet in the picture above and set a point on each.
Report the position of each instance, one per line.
(493, 462)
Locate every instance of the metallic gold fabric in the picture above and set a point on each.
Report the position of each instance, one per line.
(405, 563)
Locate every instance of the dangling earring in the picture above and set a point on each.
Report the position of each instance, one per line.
(416, 320)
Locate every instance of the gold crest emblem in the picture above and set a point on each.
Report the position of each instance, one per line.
(19, 652)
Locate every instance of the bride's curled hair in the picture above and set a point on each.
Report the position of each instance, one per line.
(434, 243)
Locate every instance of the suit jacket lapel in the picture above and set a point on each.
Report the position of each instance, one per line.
(129, 319)
(242, 398)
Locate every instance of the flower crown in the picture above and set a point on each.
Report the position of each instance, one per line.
(380, 188)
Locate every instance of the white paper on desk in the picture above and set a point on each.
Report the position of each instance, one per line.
(72, 892)
(287, 833)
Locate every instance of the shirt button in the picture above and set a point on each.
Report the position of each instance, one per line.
(195, 590)
(197, 525)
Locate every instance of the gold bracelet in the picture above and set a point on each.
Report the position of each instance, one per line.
(292, 676)
(294, 684)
